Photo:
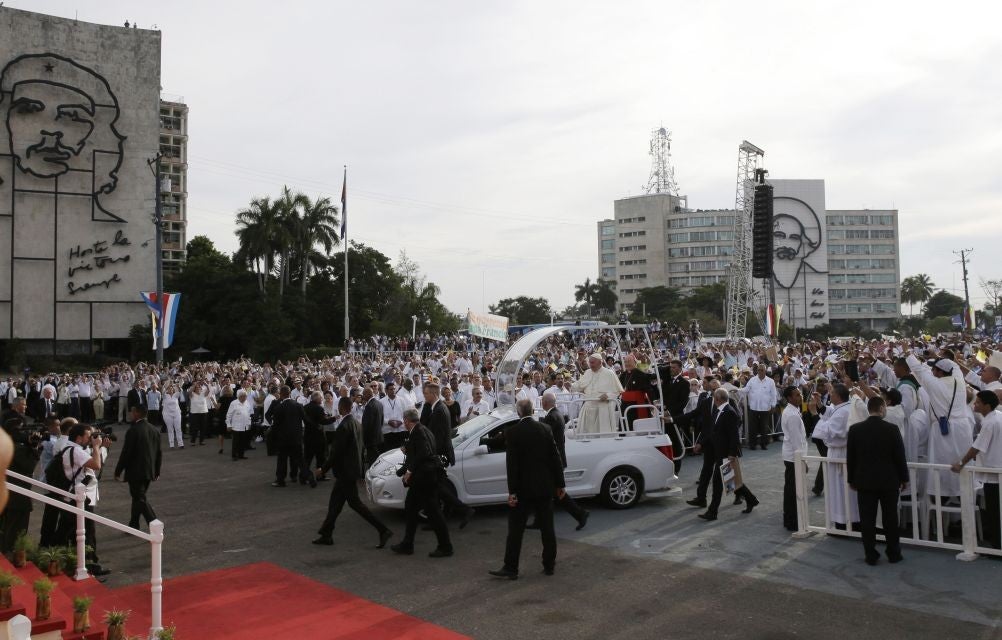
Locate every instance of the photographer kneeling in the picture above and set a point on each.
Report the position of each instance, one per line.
(82, 461)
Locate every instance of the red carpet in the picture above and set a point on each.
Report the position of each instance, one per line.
(261, 601)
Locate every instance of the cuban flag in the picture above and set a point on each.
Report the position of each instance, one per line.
(773, 313)
(168, 315)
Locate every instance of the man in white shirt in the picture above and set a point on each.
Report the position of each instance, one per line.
(477, 406)
(794, 441)
(986, 380)
(394, 405)
(80, 464)
(762, 396)
(85, 389)
(988, 451)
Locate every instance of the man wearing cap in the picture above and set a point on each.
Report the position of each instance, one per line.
(600, 387)
(950, 424)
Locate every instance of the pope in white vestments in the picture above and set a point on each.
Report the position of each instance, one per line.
(600, 387)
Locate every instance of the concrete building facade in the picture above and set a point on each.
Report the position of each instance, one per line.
(831, 266)
(79, 103)
(174, 180)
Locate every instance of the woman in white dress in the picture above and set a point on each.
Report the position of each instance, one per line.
(171, 413)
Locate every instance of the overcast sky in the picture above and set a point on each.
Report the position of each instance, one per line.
(487, 138)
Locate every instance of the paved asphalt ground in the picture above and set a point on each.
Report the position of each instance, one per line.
(655, 571)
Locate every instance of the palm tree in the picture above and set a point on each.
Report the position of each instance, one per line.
(289, 206)
(586, 292)
(255, 228)
(909, 294)
(317, 225)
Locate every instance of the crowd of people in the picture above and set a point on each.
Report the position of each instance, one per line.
(717, 398)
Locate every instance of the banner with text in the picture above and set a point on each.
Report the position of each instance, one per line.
(486, 325)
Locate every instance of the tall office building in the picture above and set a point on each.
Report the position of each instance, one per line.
(864, 270)
(654, 240)
(174, 190)
(832, 267)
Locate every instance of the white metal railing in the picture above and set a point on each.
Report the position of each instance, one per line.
(155, 537)
(921, 506)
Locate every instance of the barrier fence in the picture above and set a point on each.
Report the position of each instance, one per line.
(155, 537)
(928, 509)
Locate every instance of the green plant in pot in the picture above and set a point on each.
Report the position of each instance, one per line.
(24, 547)
(81, 613)
(43, 604)
(115, 619)
(167, 633)
(49, 560)
(7, 583)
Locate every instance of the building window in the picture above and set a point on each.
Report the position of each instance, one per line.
(884, 307)
(632, 234)
(836, 234)
(682, 281)
(608, 244)
(677, 238)
(836, 221)
(857, 220)
(857, 234)
(882, 234)
(608, 230)
(608, 258)
(884, 221)
(608, 272)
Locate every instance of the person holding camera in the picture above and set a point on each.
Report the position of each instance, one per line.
(82, 459)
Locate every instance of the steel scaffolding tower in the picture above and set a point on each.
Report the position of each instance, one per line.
(662, 178)
(739, 275)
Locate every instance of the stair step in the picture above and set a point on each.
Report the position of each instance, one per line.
(7, 614)
(54, 623)
(91, 634)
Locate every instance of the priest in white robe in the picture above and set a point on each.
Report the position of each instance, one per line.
(833, 429)
(944, 385)
(600, 388)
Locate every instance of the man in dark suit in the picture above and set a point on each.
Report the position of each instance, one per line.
(314, 420)
(435, 416)
(140, 461)
(345, 460)
(878, 471)
(535, 477)
(420, 473)
(286, 417)
(700, 420)
(137, 395)
(674, 397)
(45, 405)
(372, 425)
(726, 444)
(555, 422)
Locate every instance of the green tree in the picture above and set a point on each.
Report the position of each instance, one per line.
(943, 303)
(317, 226)
(256, 226)
(660, 302)
(523, 310)
(586, 293)
(708, 299)
(993, 290)
(604, 296)
(284, 235)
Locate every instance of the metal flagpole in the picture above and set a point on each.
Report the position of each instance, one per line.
(344, 238)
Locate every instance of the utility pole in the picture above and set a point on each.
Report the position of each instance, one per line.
(964, 253)
(158, 223)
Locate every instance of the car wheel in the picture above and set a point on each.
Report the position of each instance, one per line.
(622, 487)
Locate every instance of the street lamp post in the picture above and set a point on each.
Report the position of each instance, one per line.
(413, 327)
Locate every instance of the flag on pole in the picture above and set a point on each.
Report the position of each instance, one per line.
(968, 317)
(344, 208)
(773, 312)
(162, 317)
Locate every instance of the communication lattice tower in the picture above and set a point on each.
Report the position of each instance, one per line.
(662, 178)
(739, 275)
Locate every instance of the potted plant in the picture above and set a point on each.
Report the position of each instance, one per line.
(81, 613)
(43, 605)
(7, 583)
(167, 633)
(115, 619)
(24, 546)
(49, 560)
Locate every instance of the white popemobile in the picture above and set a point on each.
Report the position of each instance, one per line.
(619, 466)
